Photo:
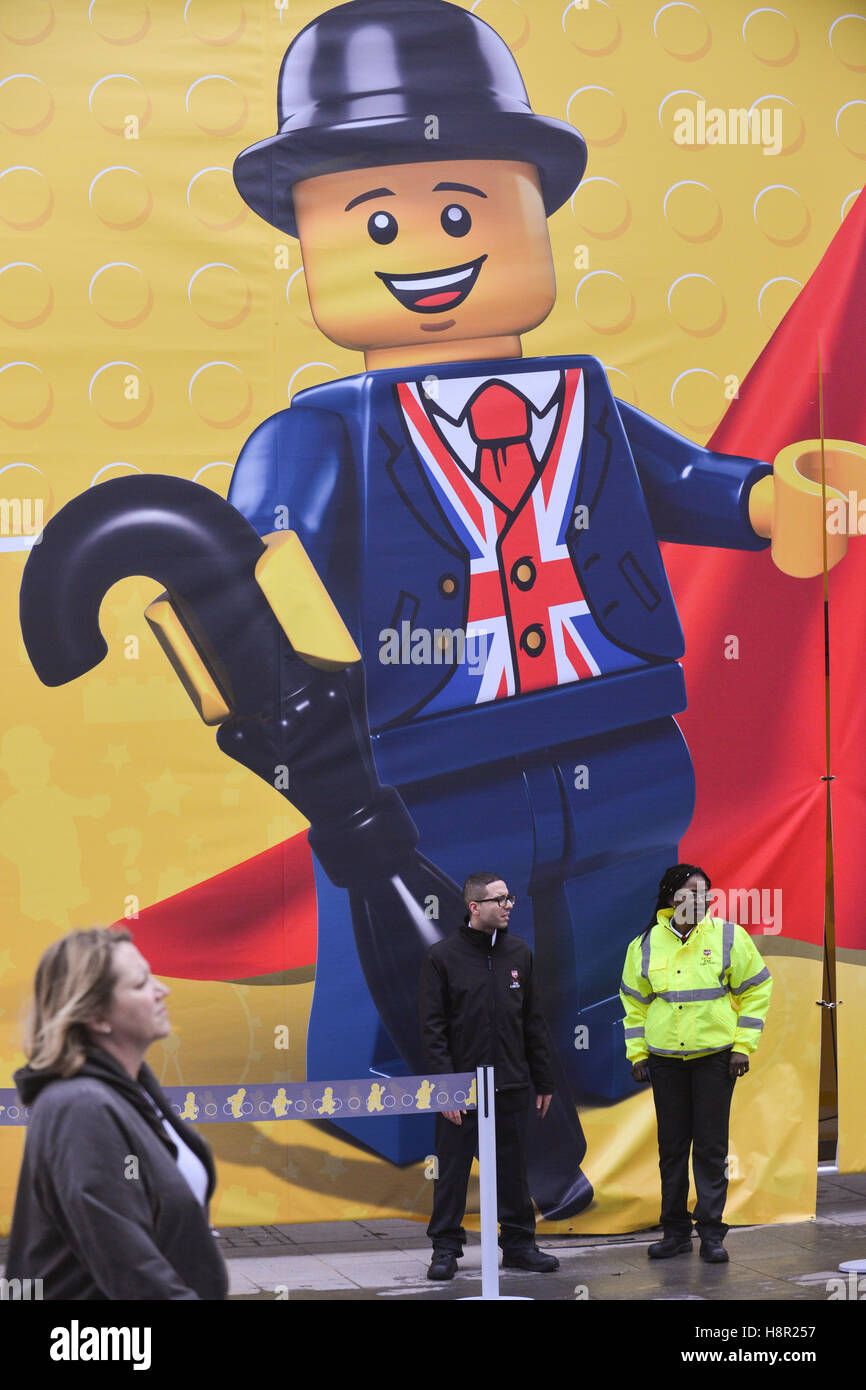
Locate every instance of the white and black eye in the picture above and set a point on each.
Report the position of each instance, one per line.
(456, 220)
(382, 227)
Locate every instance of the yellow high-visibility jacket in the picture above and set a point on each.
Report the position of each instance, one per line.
(687, 999)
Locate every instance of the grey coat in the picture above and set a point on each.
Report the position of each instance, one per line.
(102, 1211)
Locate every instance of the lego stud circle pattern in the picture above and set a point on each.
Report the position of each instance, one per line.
(697, 203)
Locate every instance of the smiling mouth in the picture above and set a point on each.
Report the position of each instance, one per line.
(432, 291)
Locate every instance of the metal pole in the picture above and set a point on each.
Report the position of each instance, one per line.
(487, 1177)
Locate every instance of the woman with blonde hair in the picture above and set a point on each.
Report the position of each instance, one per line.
(113, 1191)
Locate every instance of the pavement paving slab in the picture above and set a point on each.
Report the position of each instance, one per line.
(387, 1259)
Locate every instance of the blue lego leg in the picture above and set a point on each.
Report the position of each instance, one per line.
(586, 1023)
(628, 799)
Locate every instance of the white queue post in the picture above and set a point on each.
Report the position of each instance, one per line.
(487, 1176)
(485, 1090)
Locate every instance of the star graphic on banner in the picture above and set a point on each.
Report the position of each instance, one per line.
(165, 794)
(332, 1166)
(117, 754)
(128, 614)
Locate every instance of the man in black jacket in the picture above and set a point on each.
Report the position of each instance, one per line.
(479, 1007)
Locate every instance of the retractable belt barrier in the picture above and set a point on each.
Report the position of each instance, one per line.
(363, 1097)
(302, 1100)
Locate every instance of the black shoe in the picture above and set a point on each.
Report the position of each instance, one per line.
(532, 1259)
(671, 1245)
(714, 1252)
(443, 1265)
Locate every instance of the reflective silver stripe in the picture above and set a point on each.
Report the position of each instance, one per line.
(645, 956)
(691, 996)
(727, 948)
(684, 1051)
(753, 980)
(750, 1023)
(633, 1032)
(635, 993)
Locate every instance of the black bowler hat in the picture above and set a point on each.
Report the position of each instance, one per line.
(359, 85)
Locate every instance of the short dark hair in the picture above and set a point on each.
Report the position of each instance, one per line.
(474, 884)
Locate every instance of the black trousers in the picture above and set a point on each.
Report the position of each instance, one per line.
(693, 1107)
(456, 1146)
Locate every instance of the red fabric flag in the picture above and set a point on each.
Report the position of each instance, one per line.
(254, 919)
(755, 725)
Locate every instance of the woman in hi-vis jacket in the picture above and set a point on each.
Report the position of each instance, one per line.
(696, 992)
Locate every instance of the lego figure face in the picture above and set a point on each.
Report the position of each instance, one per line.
(425, 255)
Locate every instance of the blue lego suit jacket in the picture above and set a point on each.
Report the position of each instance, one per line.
(338, 468)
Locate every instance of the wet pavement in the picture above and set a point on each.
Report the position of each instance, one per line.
(387, 1259)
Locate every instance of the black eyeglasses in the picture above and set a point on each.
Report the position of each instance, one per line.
(507, 898)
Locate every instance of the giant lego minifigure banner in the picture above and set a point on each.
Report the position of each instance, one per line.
(460, 445)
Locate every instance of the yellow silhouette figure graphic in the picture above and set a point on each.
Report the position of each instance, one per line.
(236, 1102)
(422, 1095)
(190, 1109)
(374, 1099)
(280, 1103)
(328, 1105)
(472, 1098)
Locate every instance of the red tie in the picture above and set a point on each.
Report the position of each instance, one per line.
(499, 423)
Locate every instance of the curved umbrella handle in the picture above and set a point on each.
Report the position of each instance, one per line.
(188, 538)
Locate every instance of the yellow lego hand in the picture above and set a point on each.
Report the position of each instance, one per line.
(306, 613)
(789, 507)
(300, 602)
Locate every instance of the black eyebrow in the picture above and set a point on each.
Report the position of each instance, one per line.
(458, 188)
(362, 197)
